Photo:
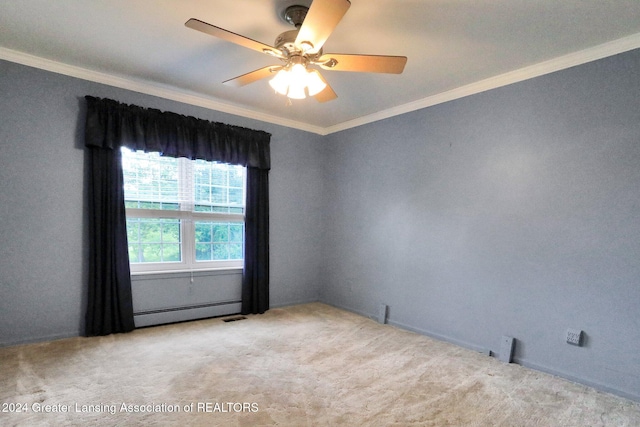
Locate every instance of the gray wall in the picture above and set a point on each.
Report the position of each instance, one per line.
(511, 212)
(42, 210)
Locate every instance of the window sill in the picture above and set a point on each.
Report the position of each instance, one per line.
(197, 271)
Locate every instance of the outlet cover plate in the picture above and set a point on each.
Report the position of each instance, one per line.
(574, 337)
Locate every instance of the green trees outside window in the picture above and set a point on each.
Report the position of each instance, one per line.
(181, 213)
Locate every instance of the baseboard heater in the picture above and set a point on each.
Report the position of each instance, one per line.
(191, 312)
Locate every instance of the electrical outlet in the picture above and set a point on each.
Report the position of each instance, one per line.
(574, 336)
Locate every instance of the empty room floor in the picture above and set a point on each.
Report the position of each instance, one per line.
(305, 365)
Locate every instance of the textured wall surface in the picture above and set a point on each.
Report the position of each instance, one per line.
(512, 212)
(42, 208)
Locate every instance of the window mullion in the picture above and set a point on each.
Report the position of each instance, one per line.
(187, 206)
(188, 239)
(155, 213)
(215, 216)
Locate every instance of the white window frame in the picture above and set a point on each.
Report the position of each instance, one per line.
(187, 217)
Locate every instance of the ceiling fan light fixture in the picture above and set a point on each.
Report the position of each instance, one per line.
(290, 81)
(298, 75)
(315, 84)
(296, 91)
(280, 82)
(295, 80)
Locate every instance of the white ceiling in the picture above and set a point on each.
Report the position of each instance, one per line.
(455, 48)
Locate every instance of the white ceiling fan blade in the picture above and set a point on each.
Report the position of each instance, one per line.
(253, 76)
(362, 63)
(223, 34)
(322, 18)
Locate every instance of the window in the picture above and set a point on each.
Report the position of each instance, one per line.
(182, 214)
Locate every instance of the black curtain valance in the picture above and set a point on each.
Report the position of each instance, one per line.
(111, 124)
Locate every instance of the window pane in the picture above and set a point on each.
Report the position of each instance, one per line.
(236, 177)
(171, 252)
(236, 233)
(218, 196)
(236, 251)
(219, 241)
(171, 232)
(219, 173)
(220, 251)
(151, 253)
(150, 180)
(221, 232)
(203, 232)
(218, 187)
(154, 240)
(133, 252)
(156, 183)
(203, 252)
(133, 231)
(236, 196)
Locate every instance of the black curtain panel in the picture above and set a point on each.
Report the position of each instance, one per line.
(109, 306)
(255, 296)
(110, 125)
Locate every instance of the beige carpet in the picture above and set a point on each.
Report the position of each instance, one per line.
(307, 365)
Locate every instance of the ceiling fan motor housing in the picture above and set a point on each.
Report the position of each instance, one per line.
(295, 15)
(286, 43)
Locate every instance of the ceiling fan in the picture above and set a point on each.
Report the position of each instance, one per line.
(302, 47)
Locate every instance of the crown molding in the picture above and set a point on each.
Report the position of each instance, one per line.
(560, 63)
(557, 64)
(149, 88)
